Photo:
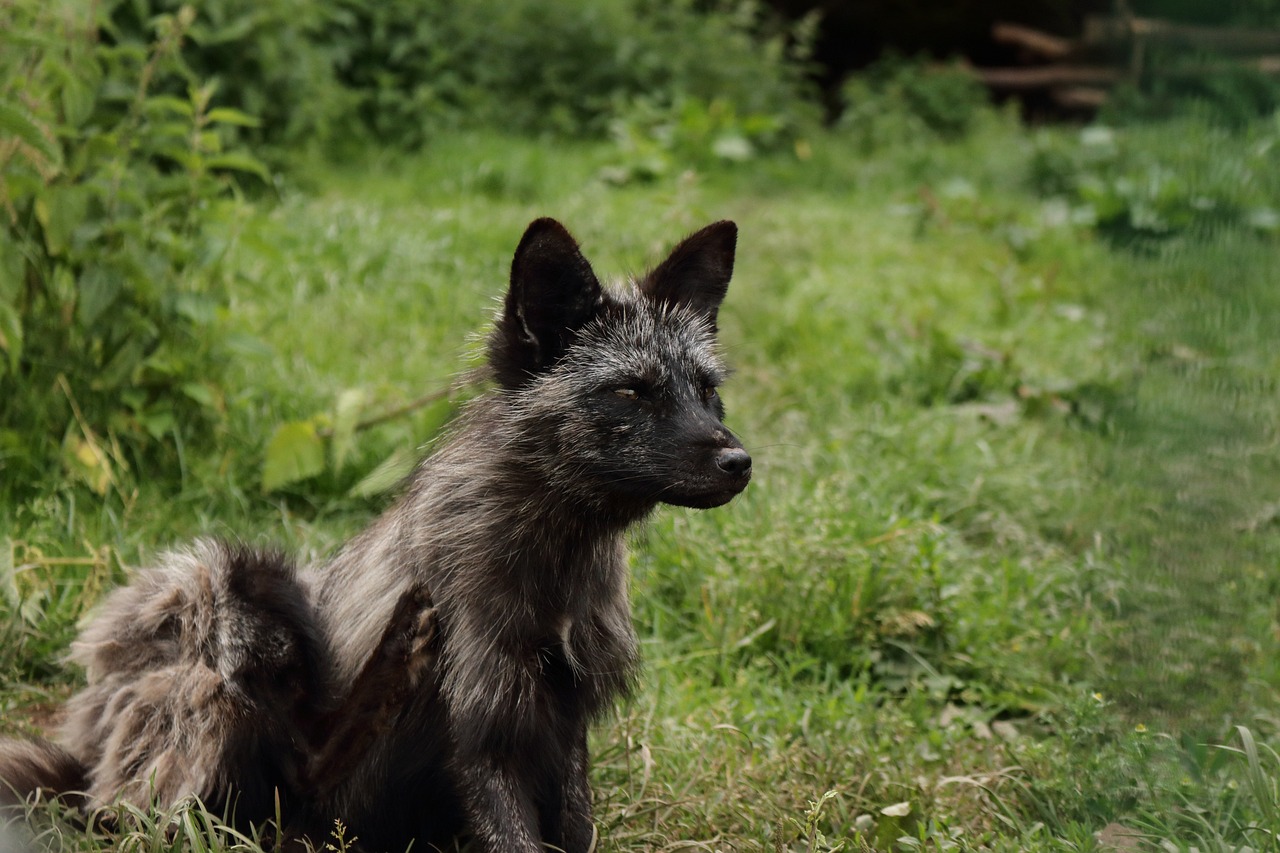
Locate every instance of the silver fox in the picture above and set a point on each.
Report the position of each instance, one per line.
(438, 676)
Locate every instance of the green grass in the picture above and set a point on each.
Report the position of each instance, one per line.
(1008, 571)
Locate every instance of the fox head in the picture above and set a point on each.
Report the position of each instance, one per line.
(616, 390)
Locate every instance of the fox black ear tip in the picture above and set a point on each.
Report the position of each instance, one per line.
(545, 232)
(726, 229)
(545, 223)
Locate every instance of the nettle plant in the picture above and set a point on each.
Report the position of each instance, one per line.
(117, 203)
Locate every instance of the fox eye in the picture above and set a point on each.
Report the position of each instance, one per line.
(708, 393)
(627, 393)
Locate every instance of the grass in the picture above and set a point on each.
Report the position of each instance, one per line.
(1006, 578)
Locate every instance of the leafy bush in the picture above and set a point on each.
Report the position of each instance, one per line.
(271, 59)
(397, 71)
(561, 66)
(117, 206)
(897, 101)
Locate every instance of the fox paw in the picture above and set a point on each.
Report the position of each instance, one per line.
(410, 635)
(421, 645)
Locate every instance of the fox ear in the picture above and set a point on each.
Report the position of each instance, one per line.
(553, 293)
(697, 271)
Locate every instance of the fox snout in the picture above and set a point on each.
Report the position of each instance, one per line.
(723, 474)
(735, 462)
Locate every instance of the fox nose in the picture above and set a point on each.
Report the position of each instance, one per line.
(734, 460)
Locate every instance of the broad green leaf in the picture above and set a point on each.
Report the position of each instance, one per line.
(27, 37)
(294, 453)
(201, 393)
(208, 142)
(87, 461)
(170, 104)
(77, 101)
(199, 308)
(227, 115)
(386, 476)
(346, 415)
(99, 288)
(119, 371)
(248, 346)
(13, 264)
(170, 132)
(232, 30)
(17, 122)
(60, 211)
(78, 84)
(158, 422)
(10, 334)
(239, 163)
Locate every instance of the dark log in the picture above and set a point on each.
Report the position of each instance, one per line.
(1032, 40)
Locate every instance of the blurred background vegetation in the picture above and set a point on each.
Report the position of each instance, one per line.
(133, 126)
(1009, 576)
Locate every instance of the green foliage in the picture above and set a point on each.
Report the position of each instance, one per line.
(1139, 185)
(1175, 82)
(656, 140)
(118, 207)
(321, 448)
(559, 67)
(294, 453)
(404, 71)
(270, 59)
(897, 101)
(41, 599)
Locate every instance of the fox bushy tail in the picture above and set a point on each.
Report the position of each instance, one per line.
(198, 674)
(37, 768)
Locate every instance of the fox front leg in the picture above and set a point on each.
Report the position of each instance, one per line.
(501, 812)
(567, 819)
(403, 656)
